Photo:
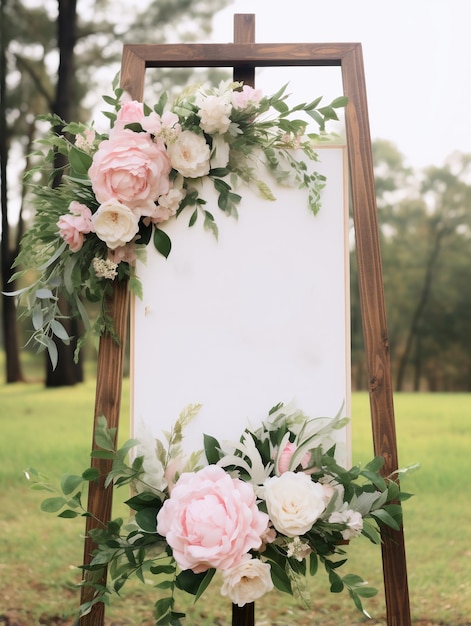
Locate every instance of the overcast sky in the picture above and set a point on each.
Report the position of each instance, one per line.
(417, 61)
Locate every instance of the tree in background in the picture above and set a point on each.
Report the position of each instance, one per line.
(425, 238)
(85, 48)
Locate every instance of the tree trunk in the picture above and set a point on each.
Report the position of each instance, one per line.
(414, 327)
(66, 372)
(9, 317)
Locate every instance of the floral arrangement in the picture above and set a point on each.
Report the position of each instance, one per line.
(251, 515)
(119, 187)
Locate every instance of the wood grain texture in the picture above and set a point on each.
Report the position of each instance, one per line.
(107, 403)
(374, 320)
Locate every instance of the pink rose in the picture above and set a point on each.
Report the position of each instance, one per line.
(284, 459)
(129, 113)
(75, 224)
(131, 169)
(211, 520)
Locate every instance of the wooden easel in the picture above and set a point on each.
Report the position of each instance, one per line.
(244, 55)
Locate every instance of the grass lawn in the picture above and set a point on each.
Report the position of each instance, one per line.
(51, 430)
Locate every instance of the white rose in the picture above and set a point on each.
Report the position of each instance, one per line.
(353, 521)
(294, 502)
(214, 114)
(115, 224)
(247, 581)
(189, 155)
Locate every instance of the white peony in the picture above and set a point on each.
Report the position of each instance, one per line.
(247, 581)
(294, 502)
(214, 115)
(115, 224)
(189, 155)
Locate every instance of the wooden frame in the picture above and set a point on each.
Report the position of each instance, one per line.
(244, 56)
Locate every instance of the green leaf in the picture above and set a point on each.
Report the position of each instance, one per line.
(163, 606)
(162, 242)
(385, 518)
(51, 349)
(92, 473)
(68, 514)
(104, 436)
(52, 505)
(205, 583)
(339, 102)
(211, 449)
(70, 482)
(147, 519)
(210, 224)
(336, 584)
(103, 454)
(366, 592)
(59, 331)
(162, 569)
(265, 190)
(313, 563)
(193, 218)
(79, 162)
(280, 578)
(37, 318)
(190, 582)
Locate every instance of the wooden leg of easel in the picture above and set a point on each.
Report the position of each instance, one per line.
(107, 403)
(243, 615)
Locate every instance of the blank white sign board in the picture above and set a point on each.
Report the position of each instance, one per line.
(259, 317)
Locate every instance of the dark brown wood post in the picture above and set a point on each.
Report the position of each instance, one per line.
(107, 403)
(373, 314)
(244, 32)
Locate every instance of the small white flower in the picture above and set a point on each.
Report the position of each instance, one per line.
(352, 519)
(105, 268)
(247, 581)
(298, 549)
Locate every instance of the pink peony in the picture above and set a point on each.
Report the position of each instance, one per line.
(131, 169)
(211, 520)
(75, 224)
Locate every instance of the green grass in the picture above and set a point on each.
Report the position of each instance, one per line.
(51, 430)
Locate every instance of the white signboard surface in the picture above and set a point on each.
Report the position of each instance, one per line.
(259, 317)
